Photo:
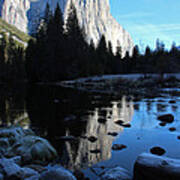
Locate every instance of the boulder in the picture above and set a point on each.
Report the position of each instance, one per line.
(13, 171)
(148, 167)
(28, 172)
(9, 168)
(33, 149)
(14, 132)
(57, 173)
(4, 143)
(157, 150)
(116, 173)
(169, 118)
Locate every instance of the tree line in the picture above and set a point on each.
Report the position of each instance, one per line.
(60, 53)
(57, 53)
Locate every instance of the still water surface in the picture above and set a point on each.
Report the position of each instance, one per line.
(57, 113)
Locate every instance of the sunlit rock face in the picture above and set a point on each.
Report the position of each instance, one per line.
(15, 12)
(93, 15)
(82, 155)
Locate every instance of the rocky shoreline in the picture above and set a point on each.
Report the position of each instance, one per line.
(140, 87)
(25, 156)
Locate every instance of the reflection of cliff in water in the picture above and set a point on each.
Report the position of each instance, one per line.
(84, 155)
(63, 112)
(12, 106)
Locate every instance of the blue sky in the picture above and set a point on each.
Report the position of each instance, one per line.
(147, 20)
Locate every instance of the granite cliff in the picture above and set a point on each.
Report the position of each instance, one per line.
(93, 15)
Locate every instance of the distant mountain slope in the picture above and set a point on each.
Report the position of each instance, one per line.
(18, 35)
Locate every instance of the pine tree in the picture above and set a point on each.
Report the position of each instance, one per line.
(118, 52)
(102, 52)
(147, 52)
(77, 46)
(30, 63)
(47, 14)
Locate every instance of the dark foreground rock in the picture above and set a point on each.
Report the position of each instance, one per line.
(57, 173)
(169, 118)
(118, 147)
(25, 156)
(158, 151)
(116, 173)
(24, 143)
(152, 167)
(11, 170)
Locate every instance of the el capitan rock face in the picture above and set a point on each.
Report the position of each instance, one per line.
(93, 15)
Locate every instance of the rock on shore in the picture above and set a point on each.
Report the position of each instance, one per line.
(148, 167)
(25, 156)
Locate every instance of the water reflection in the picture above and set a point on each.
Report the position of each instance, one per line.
(84, 155)
(70, 118)
(65, 112)
(12, 106)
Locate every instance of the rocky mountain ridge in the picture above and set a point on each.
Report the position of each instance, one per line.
(93, 15)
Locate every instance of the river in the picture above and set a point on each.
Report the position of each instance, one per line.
(80, 125)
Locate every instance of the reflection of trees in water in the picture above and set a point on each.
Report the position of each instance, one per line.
(12, 106)
(52, 109)
(100, 130)
(49, 109)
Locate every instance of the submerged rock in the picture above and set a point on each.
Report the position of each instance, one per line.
(152, 167)
(112, 133)
(95, 151)
(169, 118)
(172, 129)
(118, 147)
(116, 173)
(119, 122)
(157, 150)
(92, 139)
(126, 125)
(122, 123)
(172, 101)
(162, 123)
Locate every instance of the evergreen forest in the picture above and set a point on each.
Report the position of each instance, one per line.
(57, 53)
